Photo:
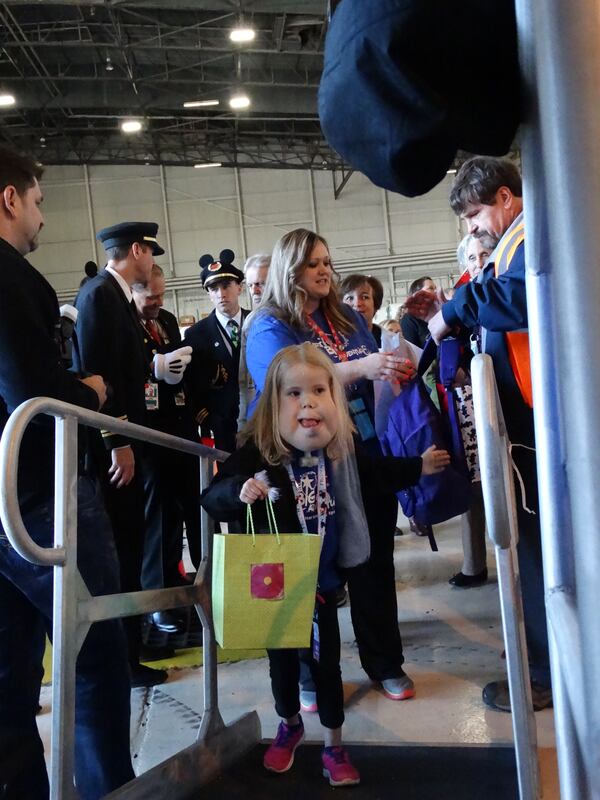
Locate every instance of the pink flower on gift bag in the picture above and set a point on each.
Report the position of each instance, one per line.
(266, 581)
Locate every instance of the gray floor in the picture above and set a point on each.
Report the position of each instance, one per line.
(453, 646)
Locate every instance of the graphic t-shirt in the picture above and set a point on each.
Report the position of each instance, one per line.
(307, 489)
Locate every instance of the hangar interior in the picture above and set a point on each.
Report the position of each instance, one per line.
(78, 70)
(214, 177)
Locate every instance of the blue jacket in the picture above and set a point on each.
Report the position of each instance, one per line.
(498, 305)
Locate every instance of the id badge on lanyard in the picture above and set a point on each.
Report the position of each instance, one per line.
(151, 396)
(361, 419)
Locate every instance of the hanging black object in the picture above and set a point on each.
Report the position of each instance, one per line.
(408, 83)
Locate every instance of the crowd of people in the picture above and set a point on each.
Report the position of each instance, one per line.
(286, 387)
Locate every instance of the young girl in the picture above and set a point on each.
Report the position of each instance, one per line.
(299, 442)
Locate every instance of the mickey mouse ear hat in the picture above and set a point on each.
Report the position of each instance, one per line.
(212, 270)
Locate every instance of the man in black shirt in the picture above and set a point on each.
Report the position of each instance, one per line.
(30, 366)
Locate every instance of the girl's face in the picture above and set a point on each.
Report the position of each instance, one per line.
(316, 275)
(308, 418)
(361, 300)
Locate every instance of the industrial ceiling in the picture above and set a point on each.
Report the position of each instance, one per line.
(78, 69)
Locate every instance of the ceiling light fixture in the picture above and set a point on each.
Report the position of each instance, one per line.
(200, 103)
(131, 126)
(450, 172)
(207, 165)
(109, 66)
(238, 101)
(7, 100)
(242, 34)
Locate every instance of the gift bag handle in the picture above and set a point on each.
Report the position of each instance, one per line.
(270, 518)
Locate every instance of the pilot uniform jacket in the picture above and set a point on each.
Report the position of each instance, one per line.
(212, 379)
(110, 343)
(30, 366)
(173, 414)
(171, 478)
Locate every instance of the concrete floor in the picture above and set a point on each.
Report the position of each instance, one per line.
(452, 643)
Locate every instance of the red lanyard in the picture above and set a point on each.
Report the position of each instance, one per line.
(335, 343)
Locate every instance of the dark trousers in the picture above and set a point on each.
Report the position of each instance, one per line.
(102, 757)
(284, 668)
(473, 534)
(374, 607)
(125, 507)
(529, 551)
(172, 492)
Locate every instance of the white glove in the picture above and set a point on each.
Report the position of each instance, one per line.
(169, 367)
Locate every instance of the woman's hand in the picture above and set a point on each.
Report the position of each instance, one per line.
(253, 490)
(434, 460)
(387, 367)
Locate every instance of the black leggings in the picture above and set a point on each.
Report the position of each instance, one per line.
(284, 668)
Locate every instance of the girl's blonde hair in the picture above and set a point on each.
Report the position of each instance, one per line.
(282, 295)
(263, 428)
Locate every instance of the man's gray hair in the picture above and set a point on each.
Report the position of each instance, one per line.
(258, 260)
(461, 251)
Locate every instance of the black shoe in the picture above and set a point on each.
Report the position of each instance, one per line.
(166, 622)
(497, 696)
(146, 676)
(462, 581)
(341, 596)
(398, 531)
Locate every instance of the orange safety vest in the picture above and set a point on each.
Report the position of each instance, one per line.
(517, 342)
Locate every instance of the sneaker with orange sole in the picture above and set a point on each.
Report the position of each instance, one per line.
(280, 754)
(400, 688)
(338, 768)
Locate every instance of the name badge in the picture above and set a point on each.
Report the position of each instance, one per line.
(180, 398)
(151, 395)
(361, 419)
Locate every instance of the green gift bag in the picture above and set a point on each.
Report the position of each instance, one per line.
(263, 587)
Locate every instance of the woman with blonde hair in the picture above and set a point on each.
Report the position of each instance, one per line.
(300, 303)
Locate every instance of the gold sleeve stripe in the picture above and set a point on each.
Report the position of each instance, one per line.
(112, 433)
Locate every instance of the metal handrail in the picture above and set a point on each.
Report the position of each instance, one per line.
(217, 744)
(10, 513)
(501, 520)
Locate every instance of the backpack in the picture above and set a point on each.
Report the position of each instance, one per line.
(414, 424)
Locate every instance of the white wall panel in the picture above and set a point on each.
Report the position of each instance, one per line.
(354, 223)
(203, 211)
(423, 223)
(274, 201)
(65, 243)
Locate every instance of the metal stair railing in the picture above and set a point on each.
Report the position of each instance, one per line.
(217, 745)
(501, 520)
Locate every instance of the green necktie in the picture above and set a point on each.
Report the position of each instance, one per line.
(233, 329)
